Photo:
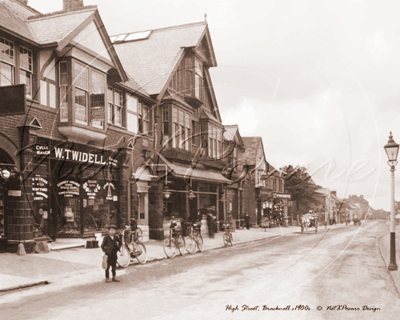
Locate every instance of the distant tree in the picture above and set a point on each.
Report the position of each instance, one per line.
(301, 186)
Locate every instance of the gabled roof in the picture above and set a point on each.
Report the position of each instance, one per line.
(55, 27)
(232, 131)
(252, 145)
(13, 18)
(152, 60)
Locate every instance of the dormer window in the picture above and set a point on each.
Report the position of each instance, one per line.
(7, 62)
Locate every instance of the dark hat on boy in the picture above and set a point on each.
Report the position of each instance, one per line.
(112, 226)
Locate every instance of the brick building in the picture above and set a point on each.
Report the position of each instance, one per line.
(72, 122)
(263, 194)
(172, 64)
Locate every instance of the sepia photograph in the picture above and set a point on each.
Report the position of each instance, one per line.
(208, 159)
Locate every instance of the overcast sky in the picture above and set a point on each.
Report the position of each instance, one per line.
(317, 80)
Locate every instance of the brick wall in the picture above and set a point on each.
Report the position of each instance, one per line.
(156, 217)
(249, 199)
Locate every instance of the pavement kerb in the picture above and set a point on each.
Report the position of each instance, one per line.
(56, 278)
(24, 286)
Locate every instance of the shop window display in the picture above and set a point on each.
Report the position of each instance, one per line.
(88, 206)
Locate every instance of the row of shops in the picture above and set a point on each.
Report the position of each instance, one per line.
(91, 135)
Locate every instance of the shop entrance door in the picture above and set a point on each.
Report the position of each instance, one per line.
(143, 209)
(143, 203)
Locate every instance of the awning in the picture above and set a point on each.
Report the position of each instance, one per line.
(187, 172)
(203, 175)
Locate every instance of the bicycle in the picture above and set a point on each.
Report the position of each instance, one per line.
(131, 248)
(174, 241)
(138, 230)
(194, 240)
(227, 237)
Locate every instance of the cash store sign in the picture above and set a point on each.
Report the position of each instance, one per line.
(83, 157)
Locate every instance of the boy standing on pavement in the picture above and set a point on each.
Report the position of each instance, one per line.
(111, 244)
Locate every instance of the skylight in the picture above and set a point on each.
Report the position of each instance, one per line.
(138, 36)
(120, 37)
(131, 36)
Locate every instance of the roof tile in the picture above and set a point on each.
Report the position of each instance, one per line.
(55, 28)
(152, 61)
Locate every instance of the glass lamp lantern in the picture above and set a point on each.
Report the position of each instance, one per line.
(392, 151)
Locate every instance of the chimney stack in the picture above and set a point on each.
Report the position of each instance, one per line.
(70, 5)
(24, 1)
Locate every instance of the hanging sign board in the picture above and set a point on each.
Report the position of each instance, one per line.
(282, 196)
(14, 193)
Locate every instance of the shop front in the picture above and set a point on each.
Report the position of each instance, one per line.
(76, 191)
(186, 193)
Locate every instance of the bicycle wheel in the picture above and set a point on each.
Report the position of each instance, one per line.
(200, 242)
(170, 248)
(226, 239)
(123, 258)
(181, 245)
(139, 233)
(191, 245)
(141, 252)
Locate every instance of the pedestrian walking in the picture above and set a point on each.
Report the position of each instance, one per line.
(111, 244)
(247, 221)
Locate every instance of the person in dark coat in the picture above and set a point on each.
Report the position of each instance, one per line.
(210, 224)
(247, 221)
(110, 246)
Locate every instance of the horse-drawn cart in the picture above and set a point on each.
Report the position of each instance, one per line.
(309, 220)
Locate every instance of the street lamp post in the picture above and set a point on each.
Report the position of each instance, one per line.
(392, 150)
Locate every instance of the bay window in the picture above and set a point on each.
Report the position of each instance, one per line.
(63, 80)
(165, 121)
(97, 113)
(118, 107)
(198, 80)
(110, 105)
(26, 70)
(214, 141)
(181, 129)
(81, 93)
(175, 127)
(7, 62)
(187, 137)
